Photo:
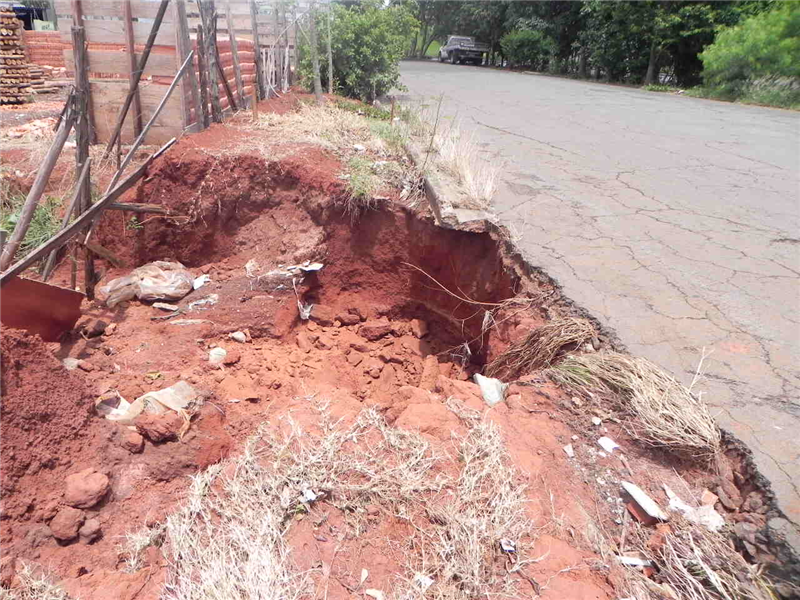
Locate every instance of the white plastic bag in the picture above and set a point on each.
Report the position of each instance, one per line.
(159, 280)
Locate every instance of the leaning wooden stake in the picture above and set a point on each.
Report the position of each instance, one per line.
(134, 84)
(32, 201)
(63, 236)
(255, 103)
(228, 93)
(208, 15)
(76, 196)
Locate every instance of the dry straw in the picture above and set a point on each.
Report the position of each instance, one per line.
(540, 347)
(665, 412)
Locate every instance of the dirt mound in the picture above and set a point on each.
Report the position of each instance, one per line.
(45, 413)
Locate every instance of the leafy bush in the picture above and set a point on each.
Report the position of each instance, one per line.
(44, 225)
(368, 41)
(659, 87)
(758, 58)
(527, 47)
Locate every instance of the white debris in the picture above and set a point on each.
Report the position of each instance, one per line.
(304, 310)
(308, 495)
(200, 281)
(493, 390)
(239, 336)
(596, 421)
(166, 307)
(634, 561)
(647, 504)
(704, 515)
(178, 397)
(607, 444)
(574, 438)
(570, 452)
(189, 321)
(423, 581)
(70, 364)
(508, 545)
(359, 148)
(205, 301)
(377, 594)
(217, 355)
(251, 268)
(364, 575)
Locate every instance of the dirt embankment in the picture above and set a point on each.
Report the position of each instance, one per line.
(399, 323)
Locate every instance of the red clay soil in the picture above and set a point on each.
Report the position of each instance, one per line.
(382, 334)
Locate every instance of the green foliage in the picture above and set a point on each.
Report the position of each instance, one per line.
(44, 225)
(527, 47)
(368, 41)
(658, 87)
(764, 48)
(367, 110)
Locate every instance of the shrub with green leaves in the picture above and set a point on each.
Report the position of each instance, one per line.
(528, 47)
(757, 60)
(368, 41)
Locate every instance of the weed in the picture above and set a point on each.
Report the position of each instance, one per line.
(134, 224)
(659, 87)
(44, 224)
(362, 185)
(33, 585)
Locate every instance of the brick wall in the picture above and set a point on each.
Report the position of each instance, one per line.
(45, 47)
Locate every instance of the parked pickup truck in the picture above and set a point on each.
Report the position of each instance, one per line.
(461, 49)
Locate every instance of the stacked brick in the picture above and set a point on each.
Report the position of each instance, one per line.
(15, 77)
(45, 48)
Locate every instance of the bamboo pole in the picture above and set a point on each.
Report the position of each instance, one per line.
(63, 236)
(35, 194)
(134, 86)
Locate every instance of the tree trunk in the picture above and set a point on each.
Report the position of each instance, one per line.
(582, 64)
(412, 51)
(330, 52)
(315, 53)
(423, 46)
(652, 65)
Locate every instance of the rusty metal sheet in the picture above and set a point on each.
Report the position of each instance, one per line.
(39, 307)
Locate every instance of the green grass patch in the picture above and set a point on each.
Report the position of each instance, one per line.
(658, 87)
(394, 137)
(373, 112)
(44, 225)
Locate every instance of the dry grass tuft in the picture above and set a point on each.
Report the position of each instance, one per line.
(665, 413)
(228, 540)
(459, 156)
(540, 347)
(697, 564)
(32, 584)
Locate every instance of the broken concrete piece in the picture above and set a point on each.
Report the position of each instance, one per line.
(165, 306)
(492, 390)
(86, 489)
(644, 501)
(204, 302)
(596, 421)
(569, 451)
(70, 364)
(607, 444)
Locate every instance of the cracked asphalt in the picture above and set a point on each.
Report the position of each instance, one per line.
(674, 220)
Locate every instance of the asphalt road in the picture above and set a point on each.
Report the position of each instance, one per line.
(674, 220)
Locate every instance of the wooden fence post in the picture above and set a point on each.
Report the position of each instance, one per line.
(82, 139)
(208, 15)
(77, 21)
(260, 85)
(203, 71)
(137, 104)
(235, 54)
(184, 47)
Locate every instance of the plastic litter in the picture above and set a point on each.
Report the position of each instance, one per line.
(178, 397)
(200, 281)
(607, 444)
(204, 302)
(508, 545)
(634, 561)
(308, 496)
(159, 280)
(647, 504)
(217, 355)
(359, 148)
(423, 581)
(492, 390)
(364, 575)
(704, 515)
